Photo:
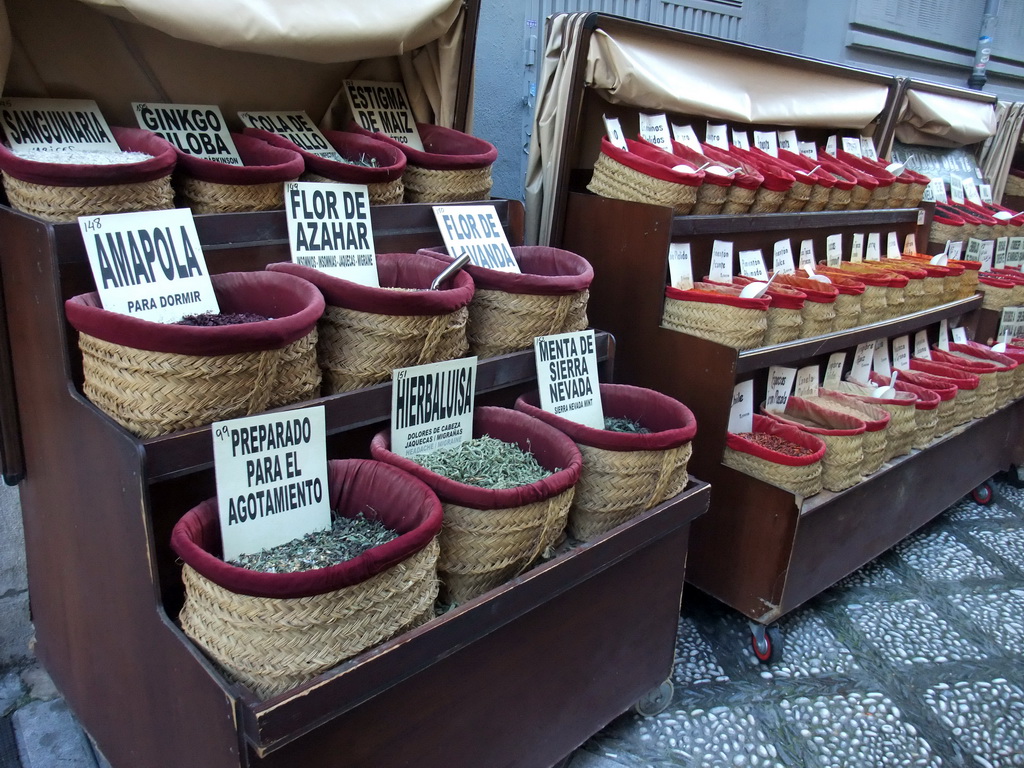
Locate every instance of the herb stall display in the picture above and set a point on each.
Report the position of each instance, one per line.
(61, 185)
(966, 383)
(718, 312)
(275, 627)
(154, 378)
(900, 405)
(988, 374)
(778, 454)
(491, 534)
(509, 309)
(366, 332)
(926, 409)
(636, 462)
(1006, 369)
(785, 310)
(849, 293)
(645, 174)
(364, 160)
(876, 420)
(210, 186)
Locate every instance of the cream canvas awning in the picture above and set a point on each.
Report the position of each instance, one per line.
(944, 120)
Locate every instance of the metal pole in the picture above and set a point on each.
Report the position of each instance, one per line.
(984, 50)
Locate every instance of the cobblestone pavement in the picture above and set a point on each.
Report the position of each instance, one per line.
(917, 659)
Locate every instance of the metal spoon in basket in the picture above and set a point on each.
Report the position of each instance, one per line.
(450, 270)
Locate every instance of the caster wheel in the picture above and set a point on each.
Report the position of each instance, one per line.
(656, 700)
(982, 494)
(766, 642)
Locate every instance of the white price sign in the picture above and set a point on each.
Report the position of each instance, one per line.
(960, 335)
(271, 475)
(867, 148)
(789, 141)
(807, 149)
(684, 134)
(852, 145)
(752, 265)
(296, 127)
(1002, 251)
(944, 335)
(874, 247)
(741, 412)
(901, 353)
(680, 266)
(782, 260)
(721, 262)
(1015, 252)
(780, 385)
(329, 229)
(973, 249)
(985, 191)
(807, 381)
(892, 246)
(432, 406)
(988, 251)
(613, 129)
(971, 191)
(862, 359)
(834, 370)
(832, 145)
(567, 377)
(383, 108)
(767, 141)
(807, 254)
(654, 128)
(740, 139)
(936, 192)
(922, 350)
(954, 248)
(956, 189)
(717, 135)
(476, 230)
(55, 125)
(834, 250)
(1007, 324)
(880, 359)
(195, 129)
(857, 248)
(910, 245)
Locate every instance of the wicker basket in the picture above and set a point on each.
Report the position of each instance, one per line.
(746, 183)
(785, 313)
(848, 299)
(645, 174)
(800, 475)
(824, 182)
(490, 536)
(926, 409)
(944, 388)
(901, 406)
(508, 310)
(1005, 371)
(1017, 354)
(624, 474)
(367, 332)
(155, 378)
(864, 184)
(775, 185)
(274, 631)
(876, 420)
(883, 290)
(717, 313)
(967, 384)
(383, 181)
(998, 291)
(914, 294)
(207, 186)
(880, 195)
(818, 314)
(61, 192)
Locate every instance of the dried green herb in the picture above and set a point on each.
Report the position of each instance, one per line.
(485, 462)
(616, 424)
(348, 537)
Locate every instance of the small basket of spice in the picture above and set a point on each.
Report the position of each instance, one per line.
(915, 295)
(747, 181)
(506, 495)
(207, 186)
(926, 409)
(645, 174)
(778, 454)
(718, 313)
(843, 435)
(899, 404)
(636, 462)
(818, 315)
(775, 187)
(366, 331)
(785, 312)
(825, 182)
(880, 195)
(997, 291)
(945, 389)
(1015, 351)
(849, 293)
(967, 383)
(452, 167)
(941, 283)
(1006, 367)
(987, 399)
(63, 185)
(276, 619)
(718, 181)
(155, 378)
(548, 296)
(861, 188)
(876, 420)
(892, 285)
(805, 185)
(364, 160)
(946, 227)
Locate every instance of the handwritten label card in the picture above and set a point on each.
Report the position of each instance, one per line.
(988, 250)
(910, 245)
(851, 144)
(55, 125)
(432, 406)
(956, 189)
(476, 230)
(767, 141)
(807, 149)
(954, 248)
(834, 250)
(971, 191)
(685, 134)
(922, 349)
(880, 359)
(807, 255)
(752, 265)
(862, 360)
(901, 353)
(195, 129)
(807, 381)
(944, 335)
(271, 475)
(721, 262)
(329, 229)
(680, 266)
(783, 258)
(613, 129)
(717, 135)
(654, 128)
(780, 384)
(834, 370)
(832, 145)
(149, 264)
(873, 250)
(857, 248)
(294, 126)
(740, 139)
(867, 148)
(741, 412)
(892, 246)
(567, 377)
(789, 141)
(960, 335)
(383, 108)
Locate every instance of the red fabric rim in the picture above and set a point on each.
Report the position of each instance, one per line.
(712, 293)
(927, 399)
(877, 170)
(552, 449)
(943, 386)
(263, 163)
(842, 424)
(873, 425)
(981, 352)
(821, 176)
(545, 271)
(864, 179)
(782, 296)
(767, 425)
(958, 375)
(651, 161)
(671, 423)
(848, 286)
(815, 290)
(749, 178)
(294, 306)
(776, 178)
(391, 160)
(164, 156)
(690, 156)
(394, 270)
(798, 173)
(845, 178)
(444, 149)
(400, 501)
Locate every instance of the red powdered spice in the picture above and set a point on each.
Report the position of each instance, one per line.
(776, 443)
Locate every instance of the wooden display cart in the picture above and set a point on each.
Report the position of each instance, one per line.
(520, 676)
(760, 550)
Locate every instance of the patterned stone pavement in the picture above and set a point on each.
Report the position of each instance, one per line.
(915, 660)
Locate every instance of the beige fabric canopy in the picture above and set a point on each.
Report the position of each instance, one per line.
(944, 120)
(237, 54)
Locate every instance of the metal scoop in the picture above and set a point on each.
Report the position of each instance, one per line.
(450, 270)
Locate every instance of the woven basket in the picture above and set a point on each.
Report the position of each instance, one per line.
(800, 476)
(818, 314)
(274, 642)
(1005, 373)
(839, 198)
(785, 313)
(967, 384)
(155, 391)
(739, 200)
(901, 407)
(842, 434)
(944, 388)
(717, 313)
(876, 419)
(848, 299)
(1014, 183)
(767, 201)
(61, 192)
(624, 474)
(490, 536)
(381, 193)
(508, 310)
(367, 332)
(207, 186)
(645, 174)
(926, 409)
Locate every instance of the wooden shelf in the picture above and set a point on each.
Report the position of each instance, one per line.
(686, 226)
